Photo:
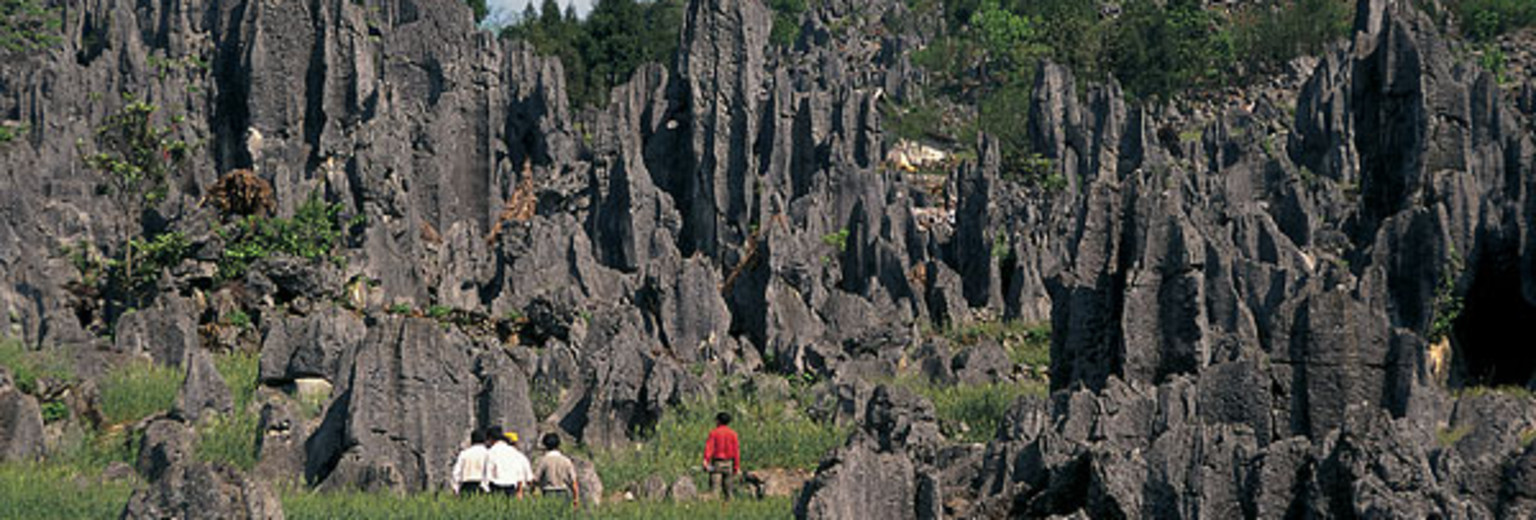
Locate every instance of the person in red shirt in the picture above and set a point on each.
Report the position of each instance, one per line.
(722, 455)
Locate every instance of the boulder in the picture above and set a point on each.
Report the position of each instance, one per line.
(202, 390)
(203, 490)
(683, 490)
(21, 426)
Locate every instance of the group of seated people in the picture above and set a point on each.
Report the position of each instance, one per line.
(493, 465)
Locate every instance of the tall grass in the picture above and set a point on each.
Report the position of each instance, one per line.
(40, 491)
(231, 438)
(774, 434)
(299, 505)
(138, 389)
(971, 413)
(28, 366)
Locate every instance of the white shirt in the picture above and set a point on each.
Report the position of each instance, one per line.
(508, 466)
(471, 467)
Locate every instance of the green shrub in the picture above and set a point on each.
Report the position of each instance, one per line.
(1484, 20)
(1269, 36)
(786, 21)
(400, 309)
(10, 133)
(28, 25)
(438, 312)
(603, 50)
(1161, 49)
(837, 239)
(315, 233)
(1450, 436)
(50, 491)
(54, 411)
(238, 319)
(137, 390)
(28, 366)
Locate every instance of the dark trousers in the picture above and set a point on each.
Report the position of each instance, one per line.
(510, 491)
(469, 488)
(721, 474)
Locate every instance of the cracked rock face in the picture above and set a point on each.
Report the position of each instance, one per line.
(1244, 325)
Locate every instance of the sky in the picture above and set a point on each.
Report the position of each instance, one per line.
(517, 6)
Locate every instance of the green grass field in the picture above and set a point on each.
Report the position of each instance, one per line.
(301, 505)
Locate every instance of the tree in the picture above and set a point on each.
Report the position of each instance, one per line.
(480, 9)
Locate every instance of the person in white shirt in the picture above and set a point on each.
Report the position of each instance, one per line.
(508, 469)
(469, 471)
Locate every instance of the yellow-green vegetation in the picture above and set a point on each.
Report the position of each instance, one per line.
(45, 491)
(29, 366)
(1509, 390)
(27, 25)
(1026, 343)
(231, 438)
(315, 232)
(138, 389)
(1450, 436)
(298, 505)
(1527, 436)
(971, 413)
(775, 433)
(1484, 20)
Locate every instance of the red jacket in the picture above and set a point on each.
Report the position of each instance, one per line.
(722, 444)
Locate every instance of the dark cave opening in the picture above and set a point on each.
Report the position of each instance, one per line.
(1492, 346)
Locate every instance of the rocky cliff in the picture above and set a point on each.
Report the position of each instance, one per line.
(1245, 322)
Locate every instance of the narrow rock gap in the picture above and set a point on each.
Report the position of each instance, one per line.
(1488, 349)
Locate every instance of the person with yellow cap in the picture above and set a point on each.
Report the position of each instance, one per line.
(507, 469)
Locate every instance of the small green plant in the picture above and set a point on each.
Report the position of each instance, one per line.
(1527, 437)
(1450, 436)
(400, 309)
(238, 318)
(10, 133)
(28, 25)
(1000, 249)
(837, 239)
(137, 390)
(1492, 58)
(1447, 304)
(786, 21)
(438, 312)
(55, 411)
(315, 233)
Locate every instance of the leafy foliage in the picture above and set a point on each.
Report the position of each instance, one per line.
(786, 21)
(604, 50)
(315, 232)
(837, 239)
(28, 25)
(10, 133)
(137, 155)
(1484, 20)
(229, 438)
